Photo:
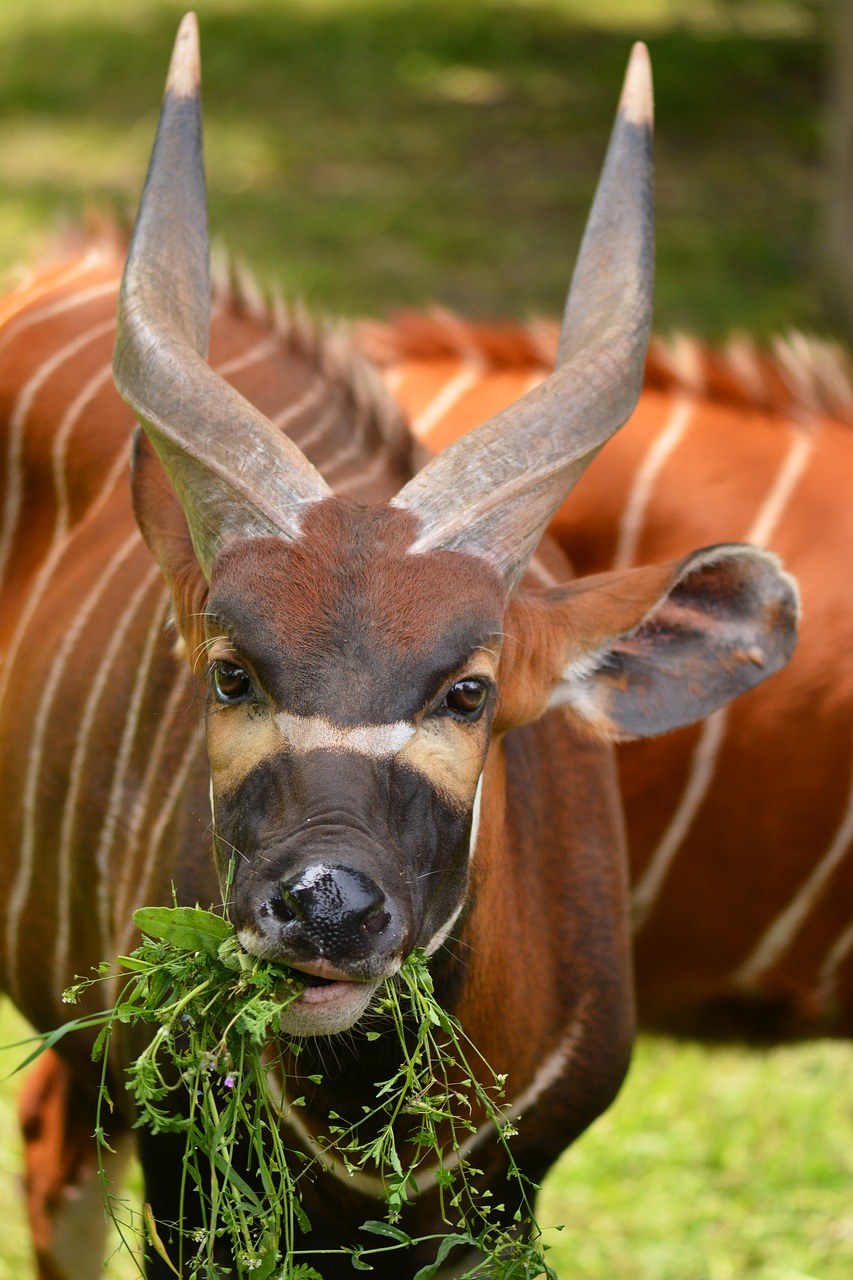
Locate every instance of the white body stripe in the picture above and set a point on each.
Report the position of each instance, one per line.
(838, 953)
(167, 808)
(631, 524)
(57, 548)
(769, 514)
(448, 395)
(314, 394)
(59, 450)
(169, 803)
(14, 468)
(792, 469)
(112, 813)
(356, 481)
(30, 290)
(257, 352)
(707, 749)
(323, 423)
(58, 308)
(704, 763)
(784, 928)
(129, 882)
(77, 771)
(346, 462)
(542, 576)
(23, 879)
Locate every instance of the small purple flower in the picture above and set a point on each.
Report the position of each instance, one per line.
(229, 1082)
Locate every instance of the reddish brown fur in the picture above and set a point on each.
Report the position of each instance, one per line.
(367, 547)
(523, 908)
(178, 785)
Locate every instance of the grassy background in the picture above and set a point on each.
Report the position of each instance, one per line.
(373, 153)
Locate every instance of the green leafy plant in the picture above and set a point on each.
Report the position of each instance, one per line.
(213, 1070)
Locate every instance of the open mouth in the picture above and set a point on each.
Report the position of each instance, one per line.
(326, 988)
(331, 992)
(330, 1001)
(315, 980)
(326, 1004)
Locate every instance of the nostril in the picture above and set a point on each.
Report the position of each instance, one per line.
(285, 907)
(377, 921)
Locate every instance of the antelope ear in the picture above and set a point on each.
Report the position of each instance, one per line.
(637, 653)
(164, 527)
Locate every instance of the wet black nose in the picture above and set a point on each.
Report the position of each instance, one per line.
(332, 903)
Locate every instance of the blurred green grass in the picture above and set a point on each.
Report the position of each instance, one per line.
(378, 153)
(714, 1164)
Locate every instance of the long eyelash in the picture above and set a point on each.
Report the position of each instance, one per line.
(200, 651)
(203, 649)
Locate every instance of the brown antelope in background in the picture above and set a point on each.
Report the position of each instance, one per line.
(407, 740)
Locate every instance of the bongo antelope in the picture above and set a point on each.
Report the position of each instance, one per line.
(406, 742)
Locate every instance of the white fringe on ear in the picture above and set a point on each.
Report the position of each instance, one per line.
(583, 696)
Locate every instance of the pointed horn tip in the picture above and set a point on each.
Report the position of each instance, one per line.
(637, 103)
(185, 68)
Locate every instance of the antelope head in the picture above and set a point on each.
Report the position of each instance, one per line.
(356, 659)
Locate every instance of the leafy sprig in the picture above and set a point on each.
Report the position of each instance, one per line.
(210, 1071)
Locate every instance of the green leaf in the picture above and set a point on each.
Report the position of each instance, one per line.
(53, 1037)
(300, 1215)
(188, 928)
(101, 1040)
(154, 1237)
(232, 1177)
(377, 1228)
(448, 1243)
(427, 1272)
(267, 1248)
(451, 1242)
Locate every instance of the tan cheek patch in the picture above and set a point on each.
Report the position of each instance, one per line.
(238, 740)
(450, 756)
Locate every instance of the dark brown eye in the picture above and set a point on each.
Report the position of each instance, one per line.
(230, 682)
(467, 699)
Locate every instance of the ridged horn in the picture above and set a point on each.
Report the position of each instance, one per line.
(492, 492)
(234, 473)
